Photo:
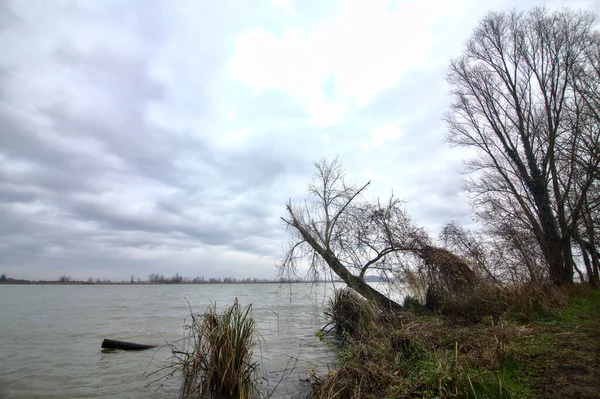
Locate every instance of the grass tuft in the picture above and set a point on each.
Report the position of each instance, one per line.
(221, 360)
(412, 303)
(350, 314)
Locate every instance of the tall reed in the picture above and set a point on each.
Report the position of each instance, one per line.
(220, 361)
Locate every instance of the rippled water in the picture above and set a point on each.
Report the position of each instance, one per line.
(50, 335)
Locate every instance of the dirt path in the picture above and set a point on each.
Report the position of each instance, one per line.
(564, 355)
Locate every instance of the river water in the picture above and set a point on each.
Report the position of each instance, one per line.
(50, 336)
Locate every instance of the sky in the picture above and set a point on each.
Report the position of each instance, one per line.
(141, 136)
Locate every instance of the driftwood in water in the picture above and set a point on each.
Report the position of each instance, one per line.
(126, 346)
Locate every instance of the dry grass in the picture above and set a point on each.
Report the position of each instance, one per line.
(220, 361)
(519, 301)
(350, 314)
(418, 356)
(470, 349)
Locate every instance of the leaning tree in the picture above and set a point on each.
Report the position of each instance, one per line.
(336, 229)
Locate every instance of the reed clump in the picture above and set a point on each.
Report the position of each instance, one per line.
(220, 362)
(349, 314)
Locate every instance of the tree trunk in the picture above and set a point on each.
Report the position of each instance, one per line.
(126, 346)
(364, 289)
(589, 249)
(354, 282)
(588, 266)
(592, 245)
(595, 265)
(558, 271)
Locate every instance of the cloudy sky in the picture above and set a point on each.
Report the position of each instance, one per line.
(144, 136)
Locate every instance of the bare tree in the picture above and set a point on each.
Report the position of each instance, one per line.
(336, 229)
(585, 117)
(474, 248)
(524, 98)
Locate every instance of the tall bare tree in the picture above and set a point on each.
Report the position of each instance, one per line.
(336, 229)
(585, 116)
(525, 97)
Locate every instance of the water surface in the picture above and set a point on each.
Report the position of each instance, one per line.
(50, 335)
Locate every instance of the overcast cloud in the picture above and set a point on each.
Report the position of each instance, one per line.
(143, 136)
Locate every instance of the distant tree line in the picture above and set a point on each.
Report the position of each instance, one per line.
(155, 279)
(178, 279)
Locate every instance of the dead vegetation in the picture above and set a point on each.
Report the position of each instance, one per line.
(422, 353)
(218, 359)
(350, 314)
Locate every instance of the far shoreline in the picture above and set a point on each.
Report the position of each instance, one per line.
(127, 283)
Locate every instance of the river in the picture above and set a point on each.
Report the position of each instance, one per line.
(50, 336)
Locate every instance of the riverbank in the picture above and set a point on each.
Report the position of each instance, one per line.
(546, 345)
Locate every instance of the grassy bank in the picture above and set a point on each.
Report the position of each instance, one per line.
(528, 342)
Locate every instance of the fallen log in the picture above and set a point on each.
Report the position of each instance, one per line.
(126, 346)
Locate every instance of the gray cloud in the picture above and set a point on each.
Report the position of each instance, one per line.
(126, 148)
(88, 170)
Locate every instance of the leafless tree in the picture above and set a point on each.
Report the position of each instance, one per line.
(585, 117)
(525, 95)
(336, 229)
(472, 247)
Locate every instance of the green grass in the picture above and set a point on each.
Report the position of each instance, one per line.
(540, 348)
(558, 357)
(554, 357)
